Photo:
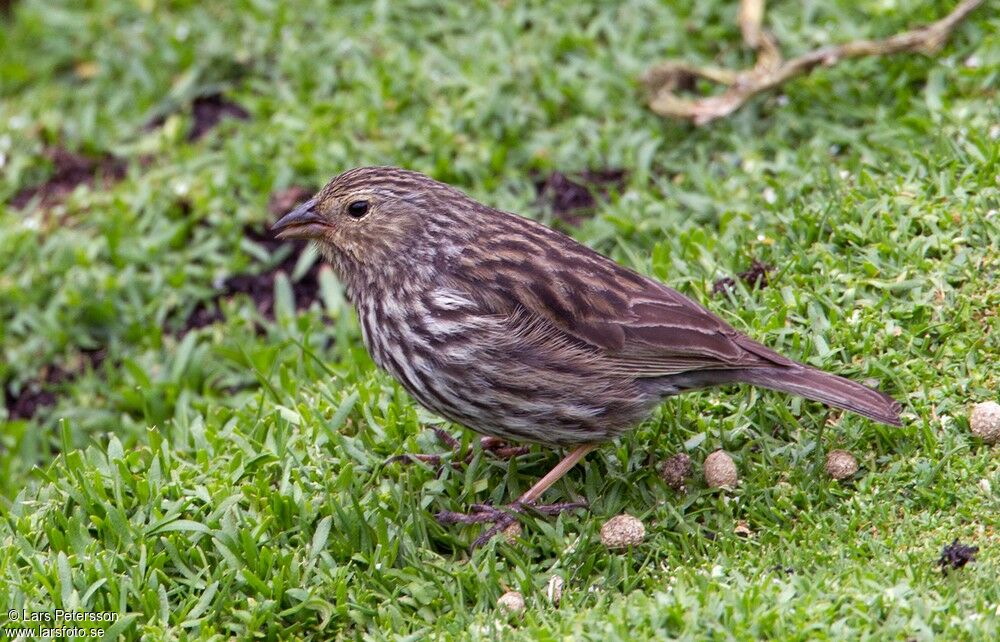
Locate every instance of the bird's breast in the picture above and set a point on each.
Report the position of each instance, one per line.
(491, 373)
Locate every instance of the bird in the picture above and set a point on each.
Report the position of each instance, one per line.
(518, 332)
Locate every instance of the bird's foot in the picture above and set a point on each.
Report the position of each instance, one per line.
(502, 449)
(501, 518)
(496, 447)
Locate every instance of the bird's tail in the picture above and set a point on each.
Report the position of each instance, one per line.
(823, 387)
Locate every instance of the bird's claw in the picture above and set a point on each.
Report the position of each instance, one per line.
(501, 518)
(496, 447)
(502, 449)
(478, 514)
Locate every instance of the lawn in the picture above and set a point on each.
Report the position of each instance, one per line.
(193, 439)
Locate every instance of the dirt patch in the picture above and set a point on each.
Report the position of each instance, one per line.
(260, 286)
(757, 276)
(956, 555)
(206, 113)
(39, 393)
(285, 200)
(573, 197)
(94, 356)
(28, 400)
(70, 170)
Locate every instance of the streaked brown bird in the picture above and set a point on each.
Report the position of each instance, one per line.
(518, 332)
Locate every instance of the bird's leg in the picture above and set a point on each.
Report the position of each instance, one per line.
(503, 517)
(496, 447)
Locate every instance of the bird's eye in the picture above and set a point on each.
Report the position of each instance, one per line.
(357, 209)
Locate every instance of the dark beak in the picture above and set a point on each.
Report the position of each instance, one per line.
(301, 223)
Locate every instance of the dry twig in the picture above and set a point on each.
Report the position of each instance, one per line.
(770, 70)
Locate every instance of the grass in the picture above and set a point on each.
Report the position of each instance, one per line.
(229, 481)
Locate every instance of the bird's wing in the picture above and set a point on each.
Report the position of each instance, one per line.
(670, 333)
(643, 327)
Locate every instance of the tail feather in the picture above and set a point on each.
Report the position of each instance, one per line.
(826, 388)
(796, 379)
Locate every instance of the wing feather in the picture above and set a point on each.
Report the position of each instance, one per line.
(644, 328)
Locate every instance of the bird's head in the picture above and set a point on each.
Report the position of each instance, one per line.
(371, 217)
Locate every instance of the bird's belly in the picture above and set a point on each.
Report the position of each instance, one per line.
(502, 390)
